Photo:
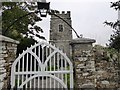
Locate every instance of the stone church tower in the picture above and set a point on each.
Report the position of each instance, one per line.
(60, 32)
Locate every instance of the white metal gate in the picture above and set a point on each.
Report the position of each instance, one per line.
(42, 66)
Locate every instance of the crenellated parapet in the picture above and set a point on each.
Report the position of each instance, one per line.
(62, 14)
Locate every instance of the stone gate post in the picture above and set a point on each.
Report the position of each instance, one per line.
(83, 62)
(8, 49)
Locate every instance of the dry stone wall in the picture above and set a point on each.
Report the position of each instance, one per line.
(2, 67)
(95, 69)
(7, 56)
(84, 70)
(106, 70)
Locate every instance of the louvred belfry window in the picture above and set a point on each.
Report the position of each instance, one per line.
(60, 28)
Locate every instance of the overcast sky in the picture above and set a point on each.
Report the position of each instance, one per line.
(87, 17)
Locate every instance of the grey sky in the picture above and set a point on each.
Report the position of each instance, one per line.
(87, 17)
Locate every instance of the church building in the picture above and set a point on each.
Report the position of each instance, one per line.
(61, 34)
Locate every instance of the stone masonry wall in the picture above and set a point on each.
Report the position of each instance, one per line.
(94, 69)
(7, 56)
(106, 70)
(84, 70)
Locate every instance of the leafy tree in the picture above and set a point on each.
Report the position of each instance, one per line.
(19, 22)
(115, 38)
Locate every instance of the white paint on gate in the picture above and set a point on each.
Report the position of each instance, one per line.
(42, 66)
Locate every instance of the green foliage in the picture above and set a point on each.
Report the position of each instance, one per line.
(9, 16)
(115, 38)
(111, 50)
(16, 82)
(68, 80)
(24, 43)
(51, 68)
(115, 5)
(115, 42)
(16, 17)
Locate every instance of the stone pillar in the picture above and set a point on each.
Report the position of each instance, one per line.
(84, 65)
(8, 49)
(2, 67)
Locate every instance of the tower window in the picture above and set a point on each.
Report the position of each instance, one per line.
(60, 28)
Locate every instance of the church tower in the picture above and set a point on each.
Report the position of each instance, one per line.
(61, 32)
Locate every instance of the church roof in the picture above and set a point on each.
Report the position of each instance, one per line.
(83, 40)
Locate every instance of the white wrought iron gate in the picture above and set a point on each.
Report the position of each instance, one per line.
(42, 66)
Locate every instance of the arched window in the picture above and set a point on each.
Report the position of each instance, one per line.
(60, 28)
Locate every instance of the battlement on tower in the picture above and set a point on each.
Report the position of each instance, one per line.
(64, 14)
